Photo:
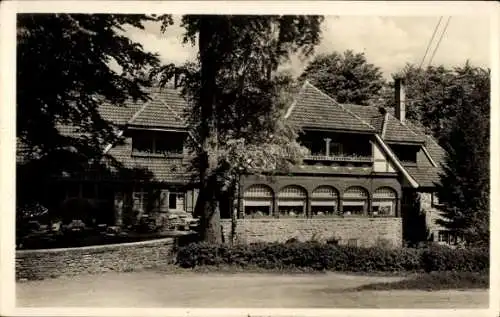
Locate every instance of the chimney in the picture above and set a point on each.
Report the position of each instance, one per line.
(400, 96)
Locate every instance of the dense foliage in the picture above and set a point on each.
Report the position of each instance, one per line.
(67, 65)
(65, 71)
(433, 97)
(320, 256)
(347, 77)
(453, 105)
(465, 183)
(237, 102)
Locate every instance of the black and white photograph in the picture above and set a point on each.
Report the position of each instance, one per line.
(208, 156)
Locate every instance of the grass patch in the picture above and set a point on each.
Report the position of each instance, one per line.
(434, 281)
(381, 273)
(236, 269)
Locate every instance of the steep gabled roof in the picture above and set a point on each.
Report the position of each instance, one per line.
(399, 132)
(164, 109)
(435, 150)
(369, 114)
(428, 176)
(314, 109)
(425, 176)
(394, 130)
(120, 115)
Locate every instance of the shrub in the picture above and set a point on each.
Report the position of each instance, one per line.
(442, 258)
(323, 256)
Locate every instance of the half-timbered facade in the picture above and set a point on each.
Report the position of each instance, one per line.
(364, 162)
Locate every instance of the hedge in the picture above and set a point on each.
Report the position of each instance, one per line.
(318, 256)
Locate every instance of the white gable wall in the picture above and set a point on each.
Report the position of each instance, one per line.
(380, 161)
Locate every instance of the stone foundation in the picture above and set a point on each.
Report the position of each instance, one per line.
(360, 231)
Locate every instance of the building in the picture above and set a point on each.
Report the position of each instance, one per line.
(370, 172)
(153, 176)
(364, 163)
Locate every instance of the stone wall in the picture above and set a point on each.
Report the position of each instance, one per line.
(363, 231)
(50, 263)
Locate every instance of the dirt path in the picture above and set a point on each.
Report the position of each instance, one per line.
(152, 289)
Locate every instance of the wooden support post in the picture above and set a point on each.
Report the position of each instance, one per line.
(327, 141)
(118, 208)
(308, 207)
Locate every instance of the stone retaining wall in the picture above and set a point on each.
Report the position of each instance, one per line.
(50, 263)
(361, 231)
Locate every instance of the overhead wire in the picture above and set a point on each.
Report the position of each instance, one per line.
(439, 41)
(435, 48)
(430, 42)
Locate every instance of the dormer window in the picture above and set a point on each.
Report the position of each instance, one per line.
(158, 142)
(406, 153)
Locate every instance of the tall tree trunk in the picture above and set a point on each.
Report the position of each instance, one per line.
(208, 204)
(233, 212)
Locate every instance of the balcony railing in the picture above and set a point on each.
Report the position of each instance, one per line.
(340, 158)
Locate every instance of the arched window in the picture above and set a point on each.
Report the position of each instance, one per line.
(355, 201)
(324, 201)
(384, 202)
(292, 201)
(258, 200)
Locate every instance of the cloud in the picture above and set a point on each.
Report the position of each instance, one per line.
(388, 42)
(168, 45)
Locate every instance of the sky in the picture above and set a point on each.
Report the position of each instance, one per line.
(388, 42)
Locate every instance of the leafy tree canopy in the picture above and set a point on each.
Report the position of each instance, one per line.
(432, 98)
(67, 65)
(464, 187)
(453, 105)
(235, 91)
(346, 77)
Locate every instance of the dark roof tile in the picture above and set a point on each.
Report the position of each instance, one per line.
(395, 130)
(437, 153)
(165, 108)
(399, 132)
(314, 109)
(369, 114)
(425, 176)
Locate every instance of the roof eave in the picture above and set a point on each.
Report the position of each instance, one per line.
(158, 128)
(338, 130)
(398, 164)
(424, 149)
(404, 142)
